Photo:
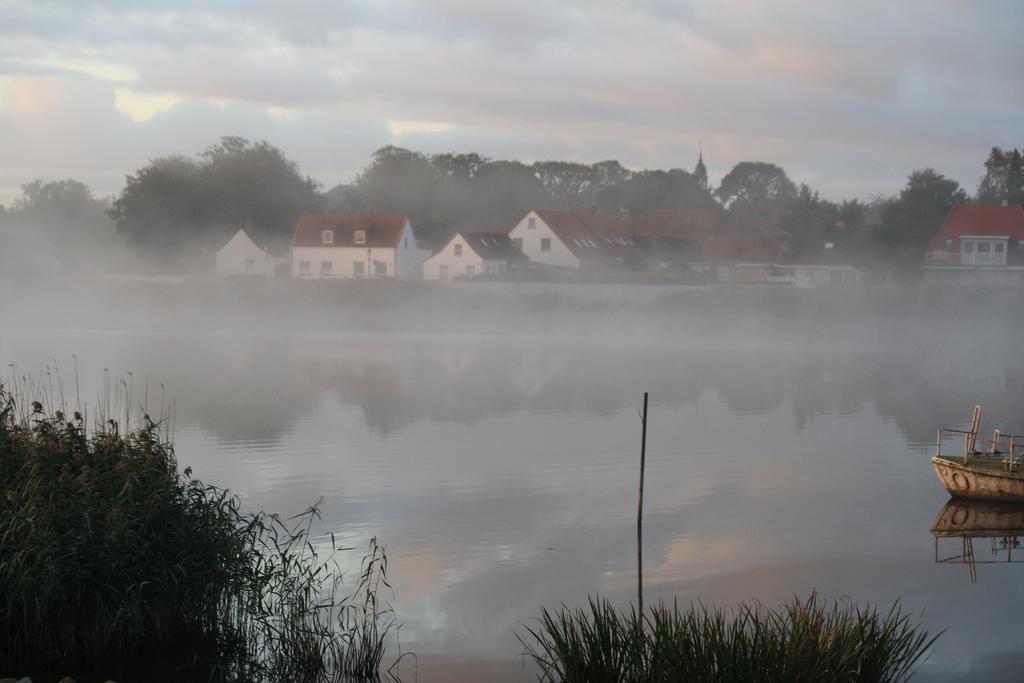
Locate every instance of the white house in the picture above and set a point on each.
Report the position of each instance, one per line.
(241, 256)
(473, 253)
(573, 239)
(355, 245)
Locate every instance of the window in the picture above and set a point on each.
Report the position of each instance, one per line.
(359, 237)
(443, 273)
(357, 267)
(303, 267)
(380, 267)
(327, 236)
(518, 243)
(470, 270)
(983, 253)
(487, 267)
(326, 267)
(405, 243)
(458, 250)
(250, 264)
(545, 244)
(1020, 245)
(948, 244)
(531, 223)
(966, 252)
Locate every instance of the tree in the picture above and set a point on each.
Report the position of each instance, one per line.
(254, 185)
(1004, 178)
(908, 222)
(644, 191)
(174, 205)
(56, 227)
(63, 209)
(756, 188)
(162, 207)
(399, 180)
(567, 184)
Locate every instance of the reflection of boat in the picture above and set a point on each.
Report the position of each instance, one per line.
(991, 475)
(979, 519)
(967, 520)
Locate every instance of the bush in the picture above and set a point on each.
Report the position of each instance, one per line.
(114, 564)
(802, 641)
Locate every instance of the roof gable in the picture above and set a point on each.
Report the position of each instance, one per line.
(240, 238)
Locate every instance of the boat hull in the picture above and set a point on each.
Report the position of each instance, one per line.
(979, 483)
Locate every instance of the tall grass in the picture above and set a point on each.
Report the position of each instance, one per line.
(112, 563)
(801, 641)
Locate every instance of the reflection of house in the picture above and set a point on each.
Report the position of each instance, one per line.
(241, 256)
(575, 239)
(473, 253)
(354, 245)
(979, 243)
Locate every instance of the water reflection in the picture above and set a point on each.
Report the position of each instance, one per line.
(501, 471)
(963, 521)
(253, 388)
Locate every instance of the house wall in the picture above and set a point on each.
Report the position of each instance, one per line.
(341, 260)
(974, 276)
(560, 255)
(235, 257)
(432, 267)
(408, 257)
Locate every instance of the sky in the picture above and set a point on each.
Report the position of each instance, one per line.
(849, 97)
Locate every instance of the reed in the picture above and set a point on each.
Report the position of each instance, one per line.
(114, 564)
(800, 641)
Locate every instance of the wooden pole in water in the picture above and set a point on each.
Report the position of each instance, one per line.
(640, 513)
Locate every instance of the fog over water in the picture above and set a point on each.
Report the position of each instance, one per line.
(489, 436)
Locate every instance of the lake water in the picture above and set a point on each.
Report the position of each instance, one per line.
(500, 470)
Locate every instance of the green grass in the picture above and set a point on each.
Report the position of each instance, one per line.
(801, 641)
(114, 564)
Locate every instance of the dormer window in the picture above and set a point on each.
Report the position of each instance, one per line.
(359, 237)
(327, 236)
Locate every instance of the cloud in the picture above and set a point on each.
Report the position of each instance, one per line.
(852, 98)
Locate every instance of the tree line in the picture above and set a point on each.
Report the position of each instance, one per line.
(177, 206)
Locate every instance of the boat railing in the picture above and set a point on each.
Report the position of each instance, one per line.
(1012, 456)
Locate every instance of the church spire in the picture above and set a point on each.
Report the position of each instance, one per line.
(700, 172)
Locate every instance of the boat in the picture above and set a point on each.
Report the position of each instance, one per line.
(993, 475)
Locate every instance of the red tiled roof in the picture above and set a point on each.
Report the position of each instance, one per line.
(589, 235)
(752, 226)
(677, 224)
(979, 219)
(383, 230)
(734, 248)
